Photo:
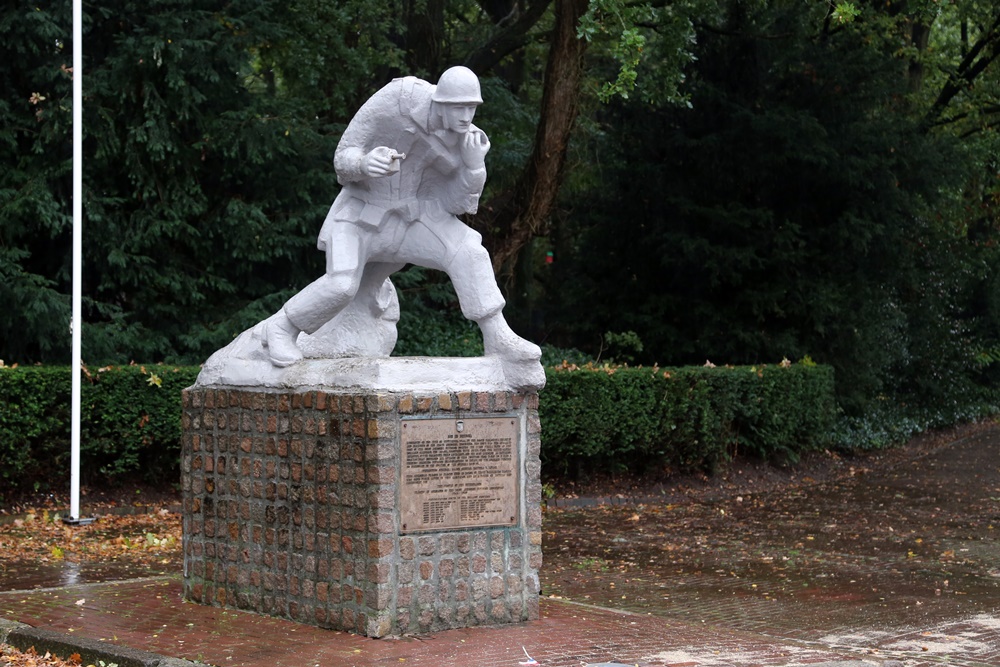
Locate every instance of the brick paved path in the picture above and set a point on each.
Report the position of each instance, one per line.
(150, 615)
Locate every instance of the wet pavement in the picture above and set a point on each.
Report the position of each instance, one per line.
(23, 575)
(893, 565)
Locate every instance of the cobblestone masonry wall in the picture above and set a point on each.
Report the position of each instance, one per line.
(290, 510)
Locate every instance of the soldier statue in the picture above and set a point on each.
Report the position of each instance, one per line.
(410, 162)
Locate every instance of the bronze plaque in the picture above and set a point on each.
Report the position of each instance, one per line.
(458, 473)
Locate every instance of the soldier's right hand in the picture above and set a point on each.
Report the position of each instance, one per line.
(381, 161)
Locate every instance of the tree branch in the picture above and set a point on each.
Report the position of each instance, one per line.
(988, 110)
(979, 57)
(988, 126)
(511, 37)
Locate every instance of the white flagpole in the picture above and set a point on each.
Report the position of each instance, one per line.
(74, 489)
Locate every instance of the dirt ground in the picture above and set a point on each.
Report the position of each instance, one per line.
(746, 474)
(913, 533)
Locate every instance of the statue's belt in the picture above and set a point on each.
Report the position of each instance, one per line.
(374, 212)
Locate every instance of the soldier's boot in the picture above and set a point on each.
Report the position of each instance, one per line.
(520, 359)
(277, 335)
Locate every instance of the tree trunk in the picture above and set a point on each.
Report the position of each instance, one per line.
(513, 217)
(424, 36)
(919, 36)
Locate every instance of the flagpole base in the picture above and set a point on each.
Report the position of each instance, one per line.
(81, 521)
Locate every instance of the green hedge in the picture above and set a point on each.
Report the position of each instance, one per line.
(594, 418)
(130, 423)
(618, 418)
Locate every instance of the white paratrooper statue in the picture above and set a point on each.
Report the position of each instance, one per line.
(410, 162)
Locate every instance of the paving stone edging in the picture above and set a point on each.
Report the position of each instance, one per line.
(92, 651)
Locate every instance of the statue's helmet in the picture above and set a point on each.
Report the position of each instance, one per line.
(458, 85)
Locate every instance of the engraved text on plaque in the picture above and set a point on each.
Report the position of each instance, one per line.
(458, 473)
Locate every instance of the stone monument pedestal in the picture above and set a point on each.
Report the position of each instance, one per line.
(376, 511)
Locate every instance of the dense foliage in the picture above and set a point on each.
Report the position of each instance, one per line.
(687, 418)
(712, 178)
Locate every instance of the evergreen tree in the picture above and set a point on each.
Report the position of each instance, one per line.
(202, 188)
(35, 181)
